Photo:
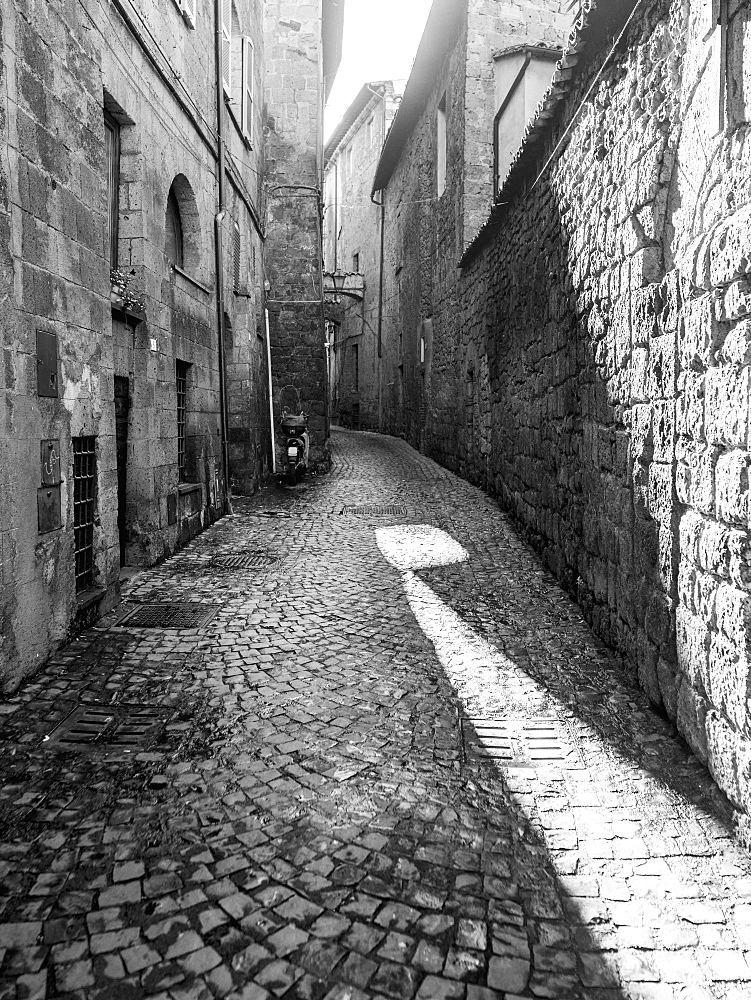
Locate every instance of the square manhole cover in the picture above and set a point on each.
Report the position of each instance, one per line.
(244, 560)
(112, 728)
(180, 616)
(381, 509)
(521, 742)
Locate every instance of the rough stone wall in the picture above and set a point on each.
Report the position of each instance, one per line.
(247, 380)
(426, 234)
(422, 235)
(601, 369)
(7, 384)
(356, 229)
(54, 279)
(293, 117)
(64, 67)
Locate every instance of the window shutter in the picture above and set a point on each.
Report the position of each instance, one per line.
(227, 45)
(189, 11)
(247, 95)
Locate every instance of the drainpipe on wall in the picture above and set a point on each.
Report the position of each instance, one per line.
(381, 204)
(219, 253)
(271, 394)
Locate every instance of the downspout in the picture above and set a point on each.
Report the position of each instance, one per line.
(219, 254)
(382, 214)
(336, 212)
(271, 394)
(382, 205)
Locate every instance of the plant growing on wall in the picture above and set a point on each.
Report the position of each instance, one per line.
(122, 294)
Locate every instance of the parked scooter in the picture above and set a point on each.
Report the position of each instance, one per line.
(296, 445)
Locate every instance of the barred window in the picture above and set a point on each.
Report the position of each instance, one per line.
(236, 257)
(84, 509)
(181, 381)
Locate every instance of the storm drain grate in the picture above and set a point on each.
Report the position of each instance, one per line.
(123, 728)
(375, 509)
(520, 742)
(244, 560)
(170, 615)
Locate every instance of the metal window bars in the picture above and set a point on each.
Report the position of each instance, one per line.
(181, 383)
(84, 509)
(236, 256)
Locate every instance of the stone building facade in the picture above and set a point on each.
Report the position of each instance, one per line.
(435, 178)
(592, 364)
(303, 54)
(133, 251)
(353, 257)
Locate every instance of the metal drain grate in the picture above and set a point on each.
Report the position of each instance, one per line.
(376, 509)
(118, 728)
(170, 615)
(244, 560)
(521, 742)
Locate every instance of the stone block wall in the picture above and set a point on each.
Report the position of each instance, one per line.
(54, 280)
(595, 374)
(154, 73)
(352, 226)
(293, 252)
(430, 389)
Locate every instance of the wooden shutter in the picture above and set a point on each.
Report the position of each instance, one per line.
(227, 45)
(247, 84)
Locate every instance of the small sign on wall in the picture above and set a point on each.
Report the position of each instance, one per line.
(50, 460)
(48, 509)
(46, 363)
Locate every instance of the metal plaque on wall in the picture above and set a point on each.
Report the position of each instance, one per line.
(48, 509)
(51, 466)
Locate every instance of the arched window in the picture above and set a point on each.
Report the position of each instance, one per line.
(182, 228)
(173, 240)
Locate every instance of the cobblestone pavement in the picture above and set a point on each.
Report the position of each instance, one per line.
(318, 819)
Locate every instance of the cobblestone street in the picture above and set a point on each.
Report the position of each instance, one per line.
(375, 780)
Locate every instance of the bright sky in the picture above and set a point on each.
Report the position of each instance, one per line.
(380, 42)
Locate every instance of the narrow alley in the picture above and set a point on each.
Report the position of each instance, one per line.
(381, 761)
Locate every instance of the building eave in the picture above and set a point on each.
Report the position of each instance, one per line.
(541, 51)
(437, 39)
(332, 29)
(368, 93)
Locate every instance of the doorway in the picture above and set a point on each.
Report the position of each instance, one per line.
(122, 407)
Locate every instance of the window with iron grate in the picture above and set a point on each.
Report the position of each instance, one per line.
(182, 369)
(84, 509)
(236, 254)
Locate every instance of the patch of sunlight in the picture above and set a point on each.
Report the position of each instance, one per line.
(472, 664)
(419, 546)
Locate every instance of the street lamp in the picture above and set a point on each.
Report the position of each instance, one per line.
(338, 280)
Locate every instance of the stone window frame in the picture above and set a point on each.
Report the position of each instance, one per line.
(127, 144)
(190, 227)
(112, 146)
(441, 157)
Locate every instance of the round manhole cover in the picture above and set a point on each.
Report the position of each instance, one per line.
(244, 560)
